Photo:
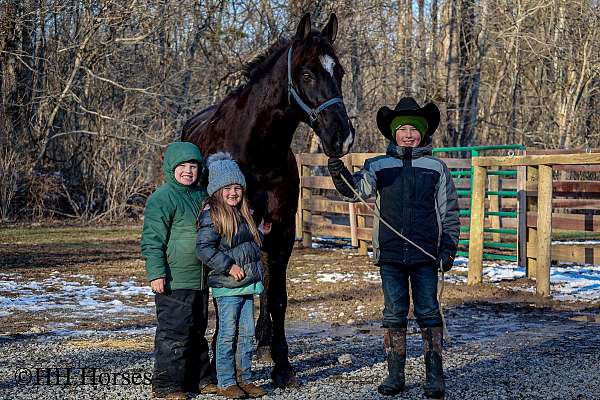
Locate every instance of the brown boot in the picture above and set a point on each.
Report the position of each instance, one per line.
(394, 341)
(232, 392)
(210, 388)
(253, 391)
(434, 372)
(170, 396)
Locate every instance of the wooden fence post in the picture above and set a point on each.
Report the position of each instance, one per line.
(306, 211)
(477, 222)
(531, 205)
(544, 227)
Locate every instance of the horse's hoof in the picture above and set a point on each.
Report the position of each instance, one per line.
(263, 354)
(282, 378)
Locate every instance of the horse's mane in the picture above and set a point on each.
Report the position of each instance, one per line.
(261, 64)
(257, 67)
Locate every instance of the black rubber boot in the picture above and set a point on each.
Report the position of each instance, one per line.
(434, 371)
(394, 340)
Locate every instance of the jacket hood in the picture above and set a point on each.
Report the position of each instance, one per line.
(177, 153)
(408, 152)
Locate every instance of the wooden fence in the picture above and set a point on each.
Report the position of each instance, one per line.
(322, 212)
(539, 194)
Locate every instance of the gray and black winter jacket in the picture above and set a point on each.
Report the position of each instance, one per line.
(416, 195)
(218, 255)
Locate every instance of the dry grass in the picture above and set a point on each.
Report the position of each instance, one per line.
(137, 344)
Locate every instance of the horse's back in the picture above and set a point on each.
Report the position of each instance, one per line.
(193, 126)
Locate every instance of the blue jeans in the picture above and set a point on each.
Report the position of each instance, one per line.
(236, 313)
(423, 283)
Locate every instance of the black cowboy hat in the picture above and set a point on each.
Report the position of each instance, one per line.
(407, 106)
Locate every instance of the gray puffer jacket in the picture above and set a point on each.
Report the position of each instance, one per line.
(218, 255)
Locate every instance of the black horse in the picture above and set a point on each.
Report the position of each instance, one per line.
(295, 80)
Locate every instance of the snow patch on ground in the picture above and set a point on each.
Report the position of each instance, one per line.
(575, 282)
(492, 272)
(76, 295)
(570, 282)
(577, 242)
(334, 277)
(328, 242)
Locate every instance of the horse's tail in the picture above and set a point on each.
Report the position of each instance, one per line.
(195, 121)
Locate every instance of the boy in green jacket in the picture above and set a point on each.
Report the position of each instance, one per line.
(177, 277)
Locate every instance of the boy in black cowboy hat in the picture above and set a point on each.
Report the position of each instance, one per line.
(416, 195)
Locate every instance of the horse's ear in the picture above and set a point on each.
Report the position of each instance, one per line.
(330, 30)
(303, 27)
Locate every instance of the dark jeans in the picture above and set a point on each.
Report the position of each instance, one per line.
(181, 354)
(423, 283)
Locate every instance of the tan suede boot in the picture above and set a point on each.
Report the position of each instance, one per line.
(232, 392)
(209, 388)
(253, 391)
(170, 396)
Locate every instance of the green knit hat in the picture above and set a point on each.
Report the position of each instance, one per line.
(418, 122)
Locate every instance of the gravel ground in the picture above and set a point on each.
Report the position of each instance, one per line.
(495, 351)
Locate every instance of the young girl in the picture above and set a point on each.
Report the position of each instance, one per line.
(228, 243)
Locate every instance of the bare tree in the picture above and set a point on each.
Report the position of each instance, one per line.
(91, 92)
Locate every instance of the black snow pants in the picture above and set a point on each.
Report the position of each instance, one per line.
(181, 357)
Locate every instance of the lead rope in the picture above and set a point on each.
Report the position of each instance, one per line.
(376, 212)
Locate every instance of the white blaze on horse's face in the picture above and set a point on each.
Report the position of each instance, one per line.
(328, 63)
(348, 142)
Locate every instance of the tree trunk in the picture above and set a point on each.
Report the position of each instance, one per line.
(403, 55)
(433, 52)
(451, 138)
(421, 72)
(469, 73)
(357, 100)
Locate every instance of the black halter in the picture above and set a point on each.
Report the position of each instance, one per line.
(313, 113)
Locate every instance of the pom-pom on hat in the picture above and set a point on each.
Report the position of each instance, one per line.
(223, 171)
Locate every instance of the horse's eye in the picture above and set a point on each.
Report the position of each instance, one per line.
(306, 77)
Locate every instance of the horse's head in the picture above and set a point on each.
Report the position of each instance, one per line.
(315, 84)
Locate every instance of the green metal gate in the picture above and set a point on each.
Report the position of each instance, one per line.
(475, 151)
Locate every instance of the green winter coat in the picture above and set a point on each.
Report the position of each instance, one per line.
(169, 234)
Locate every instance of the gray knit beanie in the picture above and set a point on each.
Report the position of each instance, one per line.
(223, 171)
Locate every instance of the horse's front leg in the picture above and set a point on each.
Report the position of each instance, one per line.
(264, 325)
(263, 333)
(283, 374)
